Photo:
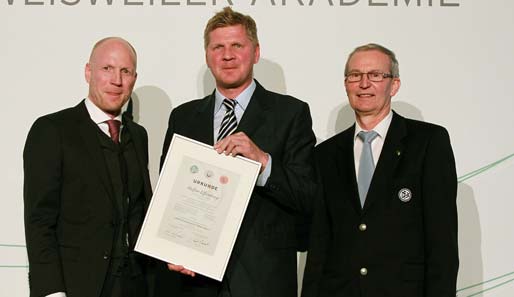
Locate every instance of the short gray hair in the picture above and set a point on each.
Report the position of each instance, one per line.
(395, 68)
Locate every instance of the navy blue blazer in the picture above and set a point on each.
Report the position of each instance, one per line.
(403, 242)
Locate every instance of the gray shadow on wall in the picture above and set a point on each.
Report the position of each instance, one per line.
(206, 82)
(340, 118)
(470, 243)
(407, 110)
(151, 109)
(271, 76)
(268, 73)
(343, 116)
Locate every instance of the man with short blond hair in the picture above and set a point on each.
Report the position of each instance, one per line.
(242, 118)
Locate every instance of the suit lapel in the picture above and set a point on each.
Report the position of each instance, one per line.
(346, 169)
(202, 127)
(89, 134)
(389, 157)
(255, 113)
(141, 149)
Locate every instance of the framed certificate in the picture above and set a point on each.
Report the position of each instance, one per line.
(197, 207)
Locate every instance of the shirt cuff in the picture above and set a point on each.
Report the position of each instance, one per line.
(263, 177)
(58, 294)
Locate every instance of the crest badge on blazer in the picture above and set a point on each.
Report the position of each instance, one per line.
(405, 195)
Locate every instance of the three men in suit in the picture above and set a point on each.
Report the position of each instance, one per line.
(86, 187)
(272, 129)
(399, 239)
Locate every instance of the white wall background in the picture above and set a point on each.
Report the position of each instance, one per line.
(456, 64)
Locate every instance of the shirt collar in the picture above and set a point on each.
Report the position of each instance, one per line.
(96, 114)
(242, 100)
(381, 128)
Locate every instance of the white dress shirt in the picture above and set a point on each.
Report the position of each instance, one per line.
(377, 143)
(99, 117)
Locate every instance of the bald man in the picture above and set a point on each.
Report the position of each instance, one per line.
(86, 187)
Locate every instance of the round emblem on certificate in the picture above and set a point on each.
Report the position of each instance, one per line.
(223, 179)
(209, 173)
(405, 195)
(193, 169)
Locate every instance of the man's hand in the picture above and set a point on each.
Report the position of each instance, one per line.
(181, 269)
(240, 144)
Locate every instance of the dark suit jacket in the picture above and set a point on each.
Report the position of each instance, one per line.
(263, 261)
(69, 204)
(408, 248)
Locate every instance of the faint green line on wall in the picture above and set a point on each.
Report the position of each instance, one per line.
(493, 287)
(11, 245)
(487, 281)
(483, 169)
(466, 177)
(15, 246)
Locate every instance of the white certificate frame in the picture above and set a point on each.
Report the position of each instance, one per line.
(172, 205)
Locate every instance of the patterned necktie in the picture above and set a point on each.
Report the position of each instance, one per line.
(366, 164)
(114, 130)
(229, 122)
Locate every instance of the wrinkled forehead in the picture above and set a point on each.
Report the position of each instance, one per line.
(227, 33)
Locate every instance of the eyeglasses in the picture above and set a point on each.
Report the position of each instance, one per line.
(374, 76)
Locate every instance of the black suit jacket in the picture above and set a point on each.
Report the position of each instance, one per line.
(263, 261)
(408, 248)
(70, 211)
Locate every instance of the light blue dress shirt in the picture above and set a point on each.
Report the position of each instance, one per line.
(242, 101)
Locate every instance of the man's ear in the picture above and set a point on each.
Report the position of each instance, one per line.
(87, 72)
(395, 86)
(257, 53)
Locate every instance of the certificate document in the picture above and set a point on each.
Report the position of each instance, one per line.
(197, 208)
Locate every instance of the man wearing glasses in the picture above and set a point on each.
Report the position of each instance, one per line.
(386, 223)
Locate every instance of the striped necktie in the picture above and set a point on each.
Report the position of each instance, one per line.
(229, 122)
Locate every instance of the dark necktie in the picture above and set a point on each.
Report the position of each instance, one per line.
(114, 130)
(366, 164)
(229, 122)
